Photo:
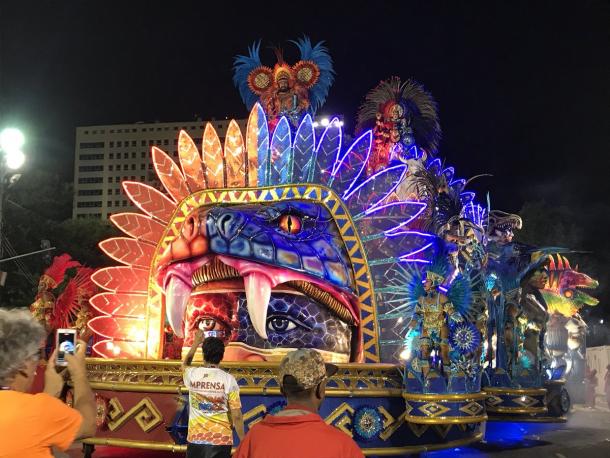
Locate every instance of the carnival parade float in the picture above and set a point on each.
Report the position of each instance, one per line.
(370, 250)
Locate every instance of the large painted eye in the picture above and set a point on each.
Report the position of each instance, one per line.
(209, 324)
(568, 293)
(280, 324)
(290, 224)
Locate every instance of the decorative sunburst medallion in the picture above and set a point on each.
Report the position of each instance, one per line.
(367, 423)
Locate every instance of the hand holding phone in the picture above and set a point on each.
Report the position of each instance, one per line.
(65, 342)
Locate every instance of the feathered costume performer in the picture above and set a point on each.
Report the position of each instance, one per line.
(439, 316)
(285, 90)
(404, 120)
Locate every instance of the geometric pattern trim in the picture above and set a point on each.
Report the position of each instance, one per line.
(442, 430)
(473, 408)
(493, 401)
(145, 412)
(526, 401)
(433, 409)
(515, 401)
(341, 418)
(259, 375)
(444, 409)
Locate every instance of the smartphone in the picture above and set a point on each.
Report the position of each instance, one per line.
(65, 342)
(219, 334)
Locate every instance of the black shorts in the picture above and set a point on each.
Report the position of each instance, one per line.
(208, 451)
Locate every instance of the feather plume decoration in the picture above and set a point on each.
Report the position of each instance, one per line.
(319, 55)
(242, 66)
(419, 106)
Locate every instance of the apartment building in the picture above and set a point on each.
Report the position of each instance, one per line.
(107, 155)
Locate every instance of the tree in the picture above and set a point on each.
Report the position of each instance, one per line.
(38, 207)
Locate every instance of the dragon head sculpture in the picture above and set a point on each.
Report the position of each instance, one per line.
(502, 225)
(273, 241)
(563, 291)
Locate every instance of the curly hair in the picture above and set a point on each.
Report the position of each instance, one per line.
(213, 350)
(20, 339)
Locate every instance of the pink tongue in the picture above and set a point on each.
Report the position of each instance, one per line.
(258, 287)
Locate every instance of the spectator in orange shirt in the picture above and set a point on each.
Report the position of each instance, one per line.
(33, 425)
(298, 431)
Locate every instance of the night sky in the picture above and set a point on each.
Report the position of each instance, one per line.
(523, 87)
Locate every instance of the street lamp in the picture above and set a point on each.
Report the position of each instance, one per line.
(11, 142)
(11, 157)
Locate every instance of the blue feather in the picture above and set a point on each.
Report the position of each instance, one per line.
(319, 55)
(460, 295)
(281, 154)
(242, 66)
(303, 150)
(329, 148)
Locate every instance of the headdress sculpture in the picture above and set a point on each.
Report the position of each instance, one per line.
(285, 90)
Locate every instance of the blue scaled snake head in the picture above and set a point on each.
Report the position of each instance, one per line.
(275, 241)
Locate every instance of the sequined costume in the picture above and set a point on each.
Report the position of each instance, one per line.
(433, 313)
